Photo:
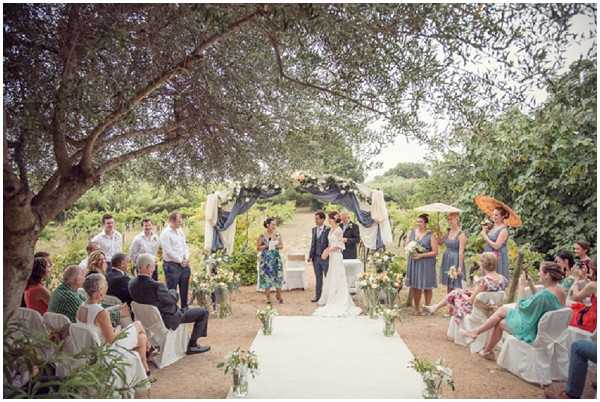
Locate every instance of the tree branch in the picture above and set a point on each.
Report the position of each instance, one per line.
(282, 73)
(196, 55)
(58, 128)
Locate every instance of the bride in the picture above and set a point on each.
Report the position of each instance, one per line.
(335, 300)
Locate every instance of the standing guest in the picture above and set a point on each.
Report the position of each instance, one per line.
(582, 248)
(462, 300)
(145, 242)
(145, 290)
(98, 320)
(351, 236)
(268, 245)
(584, 316)
(522, 321)
(176, 257)
(109, 240)
(454, 256)
(96, 263)
(89, 249)
(496, 239)
(582, 352)
(118, 280)
(65, 299)
(318, 244)
(36, 294)
(421, 274)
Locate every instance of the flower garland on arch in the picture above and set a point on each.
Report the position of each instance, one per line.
(247, 189)
(303, 181)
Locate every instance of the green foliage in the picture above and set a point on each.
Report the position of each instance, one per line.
(405, 192)
(31, 354)
(408, 170)
(244, 263)
(543, 166)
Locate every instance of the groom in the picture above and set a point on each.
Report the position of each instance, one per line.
(318, 244)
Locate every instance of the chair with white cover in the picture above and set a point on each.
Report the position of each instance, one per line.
(572, 334)
(527, 291)
(110, 300)
(295, 271)
(473, 320)
(58, 325)
(539, 361)
(30, 319)
(82, 337)
(172, 344)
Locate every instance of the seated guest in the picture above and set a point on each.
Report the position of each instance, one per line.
(522, 321)
(44, 254)
(582, 248)
(65, 299)
(582, 352)
(584, 316)
(565, 261)
(89, 249)
(36, 294)
(118, 280)
(145, 290)
(96, 263)
(462, 300)
(97, 319)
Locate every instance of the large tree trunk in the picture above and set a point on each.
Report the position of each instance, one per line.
(21, 231)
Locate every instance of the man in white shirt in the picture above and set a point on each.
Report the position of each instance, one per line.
(89, 249)
(176, 257)
(109, 240)
(145, 242)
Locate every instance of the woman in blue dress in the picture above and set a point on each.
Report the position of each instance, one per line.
(271, 267)
(496, 239)
(421, 275)
(454, 256)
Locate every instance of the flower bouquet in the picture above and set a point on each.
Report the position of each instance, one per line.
(454, 272)
(435, 375)
(389, 318)
(240, 362)
(266, 318)
(413, 247)
(225, 282)
(381, 260)
(214, 261)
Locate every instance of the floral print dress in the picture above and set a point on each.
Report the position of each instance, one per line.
(460, 299)
(271, 266)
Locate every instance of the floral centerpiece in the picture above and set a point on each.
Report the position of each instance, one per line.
(381, 260)
(369, 285)
(265, 316)
(224, 283)
(214, 261)
(240, 362)
(413, 247)
(435, 375)
(202, 288)
(391, 284)
(389, 316)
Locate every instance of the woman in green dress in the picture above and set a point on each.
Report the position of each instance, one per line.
(522, 321)
(271, 267)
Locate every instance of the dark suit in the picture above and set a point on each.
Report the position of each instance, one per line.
(118, 285)
(317, 246)
(352, 233)
(146, 290)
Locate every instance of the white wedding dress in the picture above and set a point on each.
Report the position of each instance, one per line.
(335, 299)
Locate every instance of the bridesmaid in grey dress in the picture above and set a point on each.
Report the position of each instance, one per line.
(454, 256)
(421, 276)
(496, 240)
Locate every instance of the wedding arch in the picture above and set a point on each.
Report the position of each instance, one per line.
(222, 208)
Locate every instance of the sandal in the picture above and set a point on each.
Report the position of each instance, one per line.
(488, 355)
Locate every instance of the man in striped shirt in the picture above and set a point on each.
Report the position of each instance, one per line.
(65, 299)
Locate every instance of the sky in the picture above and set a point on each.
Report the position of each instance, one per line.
(410, 150)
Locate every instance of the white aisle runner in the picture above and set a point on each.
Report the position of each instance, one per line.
(315, 357)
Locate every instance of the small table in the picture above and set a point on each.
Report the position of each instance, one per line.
(353, 268)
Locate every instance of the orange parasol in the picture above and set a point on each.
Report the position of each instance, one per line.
(487, 205)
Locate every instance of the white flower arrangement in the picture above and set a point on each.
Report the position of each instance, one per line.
(453, 272)
(413, 247)
(435, 375)
(239, 358)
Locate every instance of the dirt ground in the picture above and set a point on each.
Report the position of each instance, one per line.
(197, 376)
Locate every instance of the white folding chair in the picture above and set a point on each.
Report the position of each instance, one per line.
(473, 320)
(295, 270)
(172, 344)
(534, 362)
(82, 337)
